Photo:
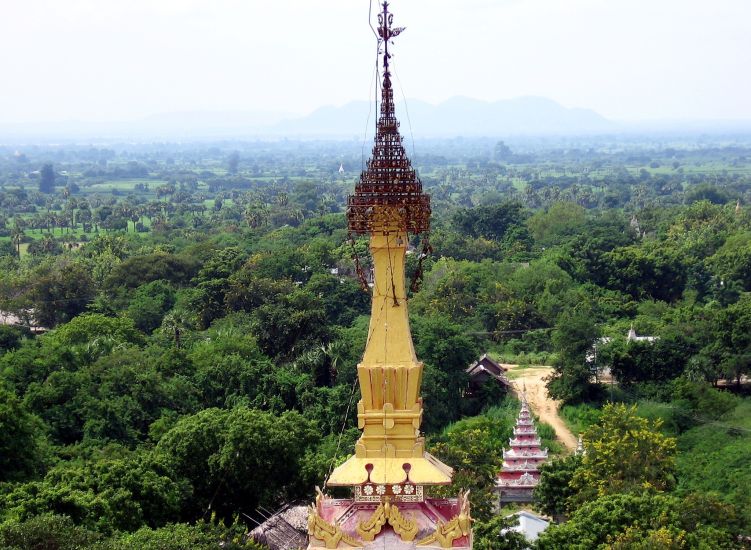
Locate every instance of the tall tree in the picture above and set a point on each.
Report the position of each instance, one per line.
(238, 459)
(61, 292)
(554, 490)
(624, 452)
(47, 179)
(573, 337)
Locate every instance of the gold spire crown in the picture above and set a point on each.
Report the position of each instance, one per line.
(389, 179)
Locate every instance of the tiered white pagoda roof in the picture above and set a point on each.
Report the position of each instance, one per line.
(524, 442)
(524, 481)
(519, 474)
(521, 429)
(541, 454)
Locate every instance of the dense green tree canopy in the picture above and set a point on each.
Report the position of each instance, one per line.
(574, 335)
(554, 491)
(22, 439)
(236, 459)
(625, 520)
(190, 319)
(625, 452)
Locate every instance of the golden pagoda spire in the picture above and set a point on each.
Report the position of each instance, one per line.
(388, 204)
(390, 468)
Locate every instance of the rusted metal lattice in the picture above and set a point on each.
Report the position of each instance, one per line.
(389, 183)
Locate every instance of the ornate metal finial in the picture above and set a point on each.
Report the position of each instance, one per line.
(386, 33)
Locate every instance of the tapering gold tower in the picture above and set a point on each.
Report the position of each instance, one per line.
(390, 468)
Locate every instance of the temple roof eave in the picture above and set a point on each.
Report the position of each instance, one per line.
(424, 470)
(525, 454)
(534, 442)
(516, 484)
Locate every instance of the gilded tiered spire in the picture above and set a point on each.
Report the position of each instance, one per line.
(389, 204)
(390, 469)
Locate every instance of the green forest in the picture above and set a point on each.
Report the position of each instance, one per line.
(182, 325)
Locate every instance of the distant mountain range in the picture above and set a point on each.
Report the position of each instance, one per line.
(458, 116)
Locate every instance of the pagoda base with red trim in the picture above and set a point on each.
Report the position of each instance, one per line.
(425, 523)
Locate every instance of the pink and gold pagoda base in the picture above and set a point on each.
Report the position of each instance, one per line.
(427, 523)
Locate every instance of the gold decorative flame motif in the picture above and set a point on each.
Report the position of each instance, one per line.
(387, 513)
(459, 526)
(322, 530)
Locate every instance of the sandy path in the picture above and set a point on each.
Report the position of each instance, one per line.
(531, 380)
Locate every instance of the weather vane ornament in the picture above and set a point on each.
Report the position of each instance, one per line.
(390, 472)
(386, 33)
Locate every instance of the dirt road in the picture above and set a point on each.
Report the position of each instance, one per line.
(530, 380)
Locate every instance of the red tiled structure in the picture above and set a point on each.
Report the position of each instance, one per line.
(520, 472)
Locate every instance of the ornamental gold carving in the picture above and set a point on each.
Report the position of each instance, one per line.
(387, 513)
(322, 530)
(459, 526)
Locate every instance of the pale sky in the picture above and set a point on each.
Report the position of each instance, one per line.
(102, 60)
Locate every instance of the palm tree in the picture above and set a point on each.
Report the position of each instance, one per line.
(321, 362)
(256, 214)
(17, 235)
(175, 323)
(48, 243)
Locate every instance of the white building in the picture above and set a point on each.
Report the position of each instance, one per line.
(530, 524)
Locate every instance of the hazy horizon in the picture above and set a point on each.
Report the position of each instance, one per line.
(272, 116)
(105, 61)
(458, 116)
